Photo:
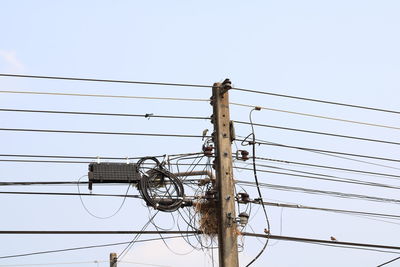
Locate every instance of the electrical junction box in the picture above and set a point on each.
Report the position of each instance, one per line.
(110, 172)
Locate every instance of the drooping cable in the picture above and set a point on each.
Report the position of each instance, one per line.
(253, 143)
(97, 216)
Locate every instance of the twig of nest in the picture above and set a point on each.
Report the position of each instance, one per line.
(207, 217)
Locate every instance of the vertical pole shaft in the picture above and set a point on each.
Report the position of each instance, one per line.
(113, 260)
(227, 230)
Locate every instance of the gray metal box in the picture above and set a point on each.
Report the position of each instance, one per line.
(113, 173)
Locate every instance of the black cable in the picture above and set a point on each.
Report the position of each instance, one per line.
(327, 178)
(330, 167)
(102, 217)
(262, 142)
(395, 259)
(156, 178)
(79, 248)
(321, 241)
(135, 239)
(64, 194)
(341, 211)
(253, 143)
(95, 132)
(317, 100)
(321, 133)
(321, 192)
(90, 157)
(40, 183)
(106, 114)
(102, 80)
(94, 232)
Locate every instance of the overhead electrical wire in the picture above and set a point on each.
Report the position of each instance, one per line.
(317, 100)
(252, 135)
(97, 157)
(327, 178)
(100, 132)
(329, 242)
(93, 232)
(342, 211)
(193, 85)
(320, 176)
(317, 116)
(62, 161)
(262, 142)
(66, 194)
(106, 96)
(83, 247)
(387, 262)
(102, 80)
(79, 262)
(320, 192)
(147, 115)
(388, 175)
(321, 133)
(195, 100)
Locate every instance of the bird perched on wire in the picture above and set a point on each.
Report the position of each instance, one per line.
(205, 131)
(333, 238)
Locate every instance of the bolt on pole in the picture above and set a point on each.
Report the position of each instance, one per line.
(227, 226)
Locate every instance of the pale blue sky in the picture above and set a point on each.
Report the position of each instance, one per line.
(346, 51)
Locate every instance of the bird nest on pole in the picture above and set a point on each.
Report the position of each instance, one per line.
(207, 217)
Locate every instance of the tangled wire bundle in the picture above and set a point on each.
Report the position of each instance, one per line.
(160, 188)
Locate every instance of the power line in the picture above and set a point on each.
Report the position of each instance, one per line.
(45, 161)
(320, 192)
(316, 116)
(67, 161)
(147, 115)
(330, 167)
(327, 178)
(107, 96)
(103, 133)
(84, 247)
(317, 100)
(351, 212)
(94, 232)
(261, 142)
(102, 80)
(65, 194)
(320, 133)
(321, 241)
(191, 85)
(94, 157)
(53, 263)
(395, 259)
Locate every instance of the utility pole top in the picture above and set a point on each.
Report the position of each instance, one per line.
(113, 259)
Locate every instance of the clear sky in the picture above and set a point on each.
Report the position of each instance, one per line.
(345, 51)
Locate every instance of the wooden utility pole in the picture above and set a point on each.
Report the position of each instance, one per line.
(227, 228)
(113, 259)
